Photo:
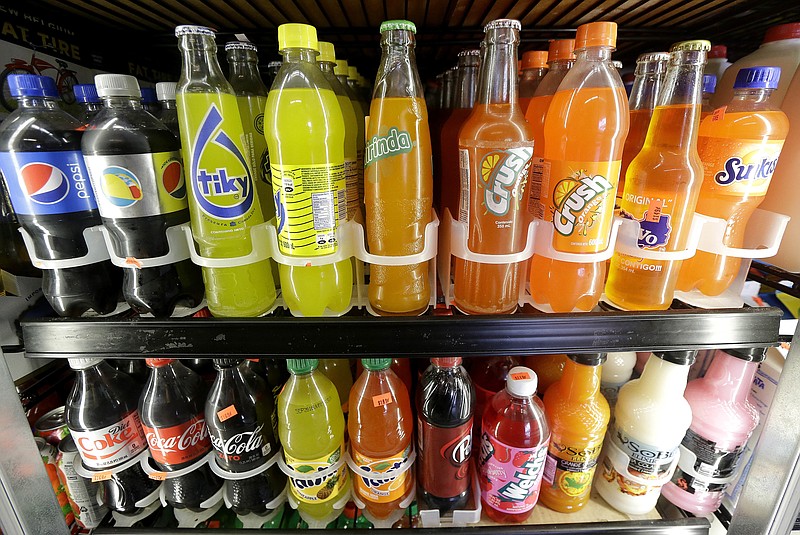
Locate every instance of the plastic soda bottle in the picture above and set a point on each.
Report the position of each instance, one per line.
(584, 131)
(514, 437)
(489, 377)
(709, 86)
(577, 414)
(341, 74)
(338, 371)
(381, 427)
(495, 149)
(662, 186)
(311, 429)
(222, 200)
(352, 82)
(739, 146)
(165, 91)
(534, 69)
(90, 103)
(548, 369)
(305, 134)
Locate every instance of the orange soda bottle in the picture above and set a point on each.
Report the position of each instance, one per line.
(662, 186)
(584, 131)
(534, 69)
(495, 148)
(548, 368)
(709, 86)
(739, 146)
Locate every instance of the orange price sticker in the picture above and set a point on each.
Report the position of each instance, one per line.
(718, 114)
(654, 210)
(381, 400)
(101, 476)
(227, 412)
(521, 376)
(158, 476)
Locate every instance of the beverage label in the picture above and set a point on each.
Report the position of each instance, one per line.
(644, 460)
(393, 143)
(251, 110)
(384, 487)
(539, 168)
(704, 466)
(138, 185)
(351, 178)
(737, 167)
(578, 197)
(623, 484)
(654, 216)
(242, 451)
(443, 455)
(320, 489)
(81, 492)
(180, 443)
(47, 183)
(570, 469)
(112, 445)
(510, 477)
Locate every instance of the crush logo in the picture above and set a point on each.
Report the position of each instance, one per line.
(173, 181)
(578, 202)
(737, 169)
(503, 176)
(43, 183)
(120, 186)
(226, 190)
(394, 142)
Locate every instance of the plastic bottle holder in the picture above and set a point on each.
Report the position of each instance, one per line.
(431, 518)
(389, 521)
(159, 475)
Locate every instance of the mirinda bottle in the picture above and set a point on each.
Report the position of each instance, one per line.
(495, 149)
(534, 69)
(584, 132)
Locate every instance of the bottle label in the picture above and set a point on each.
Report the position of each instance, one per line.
(47, 183)
(138, 185)
(311, 201)
(239, 452)
(703, 466)
(112, 445)
(178, 444)
(742, 168)
(510, 477)
(320, 489)
(570, 469)
(654, 217)
(352, 183)
(395, 142)
(387, 486)
(443, 455)
(644, 460)
(539, 168)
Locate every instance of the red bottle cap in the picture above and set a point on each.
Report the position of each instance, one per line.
(534, 59)
(519, 66)
(596, 34)
(718, 51)
(447, 362)
(782, 32)
(561, 49)
(157, 363)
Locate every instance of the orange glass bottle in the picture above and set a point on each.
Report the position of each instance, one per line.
(534, 69)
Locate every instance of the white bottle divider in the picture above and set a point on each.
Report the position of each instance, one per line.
(431, 518)
(102, 474)
(191, 519)
(122, 520)
(178, 251)
(628, 242)
(389, 521)
(160, 475)
(730, 298)
(762, 237)
(96, 251)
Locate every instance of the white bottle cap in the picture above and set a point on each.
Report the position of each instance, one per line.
(165, 90)
(82, 364)
(117, 85)
(521, 382)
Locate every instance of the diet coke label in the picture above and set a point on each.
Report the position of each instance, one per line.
(240, 450)
(178, 444)
(112, 445)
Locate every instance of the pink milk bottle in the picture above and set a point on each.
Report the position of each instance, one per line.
(722, 421)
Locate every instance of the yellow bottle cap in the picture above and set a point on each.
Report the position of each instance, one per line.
(362, 81)
(326, 52)
(352, 73)
(297, 36)
(697, 45)
(341, 67)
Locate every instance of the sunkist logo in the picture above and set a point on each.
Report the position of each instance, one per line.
(120, 186)
(394, 142)
(737, 169)
(573, 200)
(502, 173)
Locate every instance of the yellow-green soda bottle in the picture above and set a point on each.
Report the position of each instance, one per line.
(352, 82)
(341, 74)
(305, 134)
(338, 371)
(311, 429)
(223, 204)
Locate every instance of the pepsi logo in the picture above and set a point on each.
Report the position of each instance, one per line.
(120, 186)
(173, 180)
(43, 183)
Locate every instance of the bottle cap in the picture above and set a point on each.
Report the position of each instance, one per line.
(188, 29)
(503, 23)
(273, 64)
(226, 363)
(534, 59)
(718, 51)
(240, 45)
(295, 35)
(653, 56)
(166, 90)
(588, 359)
(352, 73)
(374, 365)
(782, 32)
(447, 362)
(709, 83)
(757, 78)
(117, 85)
(157, 363)
(561, 49)
(472, 52)
(617, 64)
(362, 81)
(596, 34)
(698, 45)
(85, 93)
(750, 354)
(407, 25)
(684, 358)
(521, 382)
(82, 364)
(149, 95)
(301, 366)
(341, 67)
(32, 85)
(326, 52)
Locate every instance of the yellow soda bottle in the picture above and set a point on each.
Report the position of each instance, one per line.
(341, 74)
(338, 371)
(305, 134)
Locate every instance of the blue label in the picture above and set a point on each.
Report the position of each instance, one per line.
(47, 183)
(652, 234)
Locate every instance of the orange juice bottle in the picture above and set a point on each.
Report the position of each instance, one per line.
(584, 131)
(534, 69)
(577, 414)
(495, 148)
(398, 181)
(662, 186)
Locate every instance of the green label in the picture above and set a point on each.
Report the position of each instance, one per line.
(393, 143)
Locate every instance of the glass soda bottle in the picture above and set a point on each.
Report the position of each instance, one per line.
(662, 186)
(534, 69)
(305, 133)
(341, 74)
(165, 91)
(514, 437)
(495, 149)
(398, 181)
(584, 131)
(739, 147)
(709, 87)
(223, 202)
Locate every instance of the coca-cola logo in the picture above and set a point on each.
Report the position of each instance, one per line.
(192, 436)
(239, 444)
(114, 437)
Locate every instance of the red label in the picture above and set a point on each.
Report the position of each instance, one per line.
(510, 477)
(382, 399)
(444, 458)
(521, 376)
(178, 444)
(112, 445)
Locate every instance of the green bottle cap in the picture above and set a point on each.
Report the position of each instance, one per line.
(398, 25)
(375, 365)
(301, 366)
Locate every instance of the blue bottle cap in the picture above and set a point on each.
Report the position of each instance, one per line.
(32, 85)
(709, 83)
(758, 78)
(85, 93)
(149, 95)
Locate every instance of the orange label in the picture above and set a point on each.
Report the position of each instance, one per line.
(101, 476)
(158, 476)
(522, 376)
(718, 114)
(654, 210)
(386, 485)
(742, 168)
(382, 399)
(227, 412)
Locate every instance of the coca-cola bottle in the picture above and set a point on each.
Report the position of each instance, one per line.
(239, 413)
(133, 367)
(445, 406)
(171, 408)
(102, 417)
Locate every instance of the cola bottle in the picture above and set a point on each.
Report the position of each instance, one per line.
(102, 417)
(135, 368)
(239, 412)
(171, 408)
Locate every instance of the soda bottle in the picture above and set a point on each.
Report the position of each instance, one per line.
(650, 421)
(739, 148)
(339, 373)
(239, 411)
(584, 131)
(436, 120)
(134, 164)
(150, 101)
(222, 201)
(495, 148)
(171, 408)
(709, 86)
(662, 185)
(401, 368)
(86, 96)
(14, 257)
(47, 182)
(308, 173)
(548, 369)
(514, 437)
(101, 416)
(398, 180)
(272, 71)
(311, 429)
(381, 427)
(723, 418)
(616, 371)
(276, 375)
(489, 376)
(165, 91)
(577, 414)
(135, 368)
(534, 69)
(341, 74)
(445, 407)
(352, 82)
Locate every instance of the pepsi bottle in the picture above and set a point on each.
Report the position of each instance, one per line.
(149, 100)
(135, 167)
(86, 97)
(165, 91)
(48, 184)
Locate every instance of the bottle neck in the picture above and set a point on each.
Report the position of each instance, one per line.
(751, 100)
(168, 104)
(122, 102)
(646, 86)
(327, 67)
(661, 377)
(37, 102)
(497, 81)
(558, 65)
(467, 85)
(594, 53)
(731, 376)
(299, 55)
(200, 61)
(580, 381)
(397, 74)
(243, 64)
(92, 106)
(683, 81)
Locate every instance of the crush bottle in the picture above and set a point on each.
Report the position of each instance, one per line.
(534, 69)
(341, 74)
(222, 199)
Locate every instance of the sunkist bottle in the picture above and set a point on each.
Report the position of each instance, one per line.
(495, 148)
(514, 437)
(222, 199)
(584, 132)
(577, 414)
(534, 69)
(338, 371)
(709, 87)
(489, 376)
(739, 147)
(305, 134)
(341, 74)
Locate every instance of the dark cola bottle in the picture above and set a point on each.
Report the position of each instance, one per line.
(171, 408)
(239, 413)
(102, 417)
(136, 368)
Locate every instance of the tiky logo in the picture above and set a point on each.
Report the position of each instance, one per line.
(503, 175)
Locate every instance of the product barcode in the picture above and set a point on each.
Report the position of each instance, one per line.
(549, 473)
(341, 204)
(463, 208)
(322, 207)
(536, 179)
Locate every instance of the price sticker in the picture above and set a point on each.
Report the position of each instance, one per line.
(158, 476)
(718, 114)
(227, 412)
(381, 400)
(101, 476)
(521, 376)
